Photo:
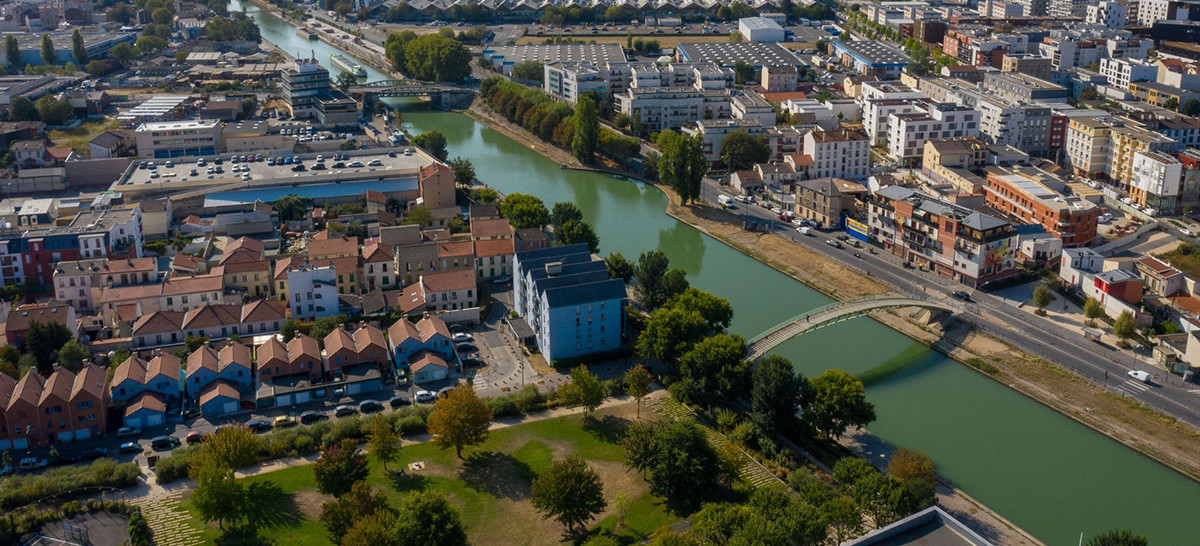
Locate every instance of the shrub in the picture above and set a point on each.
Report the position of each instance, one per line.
(503, 406)
(19, 490)
(530, 399)
(174, 466)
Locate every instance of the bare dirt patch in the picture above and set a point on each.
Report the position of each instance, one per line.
(310, 501)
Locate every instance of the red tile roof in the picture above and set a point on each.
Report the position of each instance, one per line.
(150, 400)
(491, 229)
(89, 380)
(50, 311)
(426, 358)
(59, 385)
(28, 389)
(217, 388)
(495, 247)
(449, 280)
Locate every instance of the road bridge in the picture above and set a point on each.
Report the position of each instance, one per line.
(443, 96)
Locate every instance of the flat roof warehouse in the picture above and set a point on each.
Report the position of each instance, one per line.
(759, 54)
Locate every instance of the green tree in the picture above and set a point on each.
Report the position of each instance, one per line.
(1089, 93)
(433, 142)
(843, 517)
(1125, 326)
(383, 443)
(394, 49)
(714, 371)
(744, 72)
(529, 70)
(149, 44)
(569, 492)
(716, 311)
(339, 467)
(1123, 537)
(54, 111)
(97, 68)
(218, 496)
(1042, 296)
(43, 340)
(685, 468)
(78, 49)
(292, 207)
(1191, 107)
(524, 211)
(682, 165)
(48, 55)
(459, 419)
(909, 464)
(584, 389)
(464, 171)
(342, 8)
(375, 529)
(1093, 309)
(775, 391)
(1171, 104)
(425, 518)
(741, 151)
(637, 384)
(669, 334)
(674, 282)
(575, 232)
(587, 130)
(73, 355)
(436, 58)
(647, 278)
(12, 49)
(564, 212)
(163, 16)
(341, 513)
(619, 267)
(345, 80)
(123, 52)
(22, 109)
(837, 402)
(233, 447)
(638, 444)
(419, 215)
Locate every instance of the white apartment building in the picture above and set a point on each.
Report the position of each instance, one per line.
(1032, 8)
(567, 80)
(673, 107)
(1156, 181)
(1152, 11)
(167, 139)
(1068, 8)
(1108, 13)
(1120, 72)
(908, 132)
(312, 291)
(748, 105)
(843, 153)
(877, 112)
(1065, 53)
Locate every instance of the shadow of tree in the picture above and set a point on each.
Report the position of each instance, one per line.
(497, 474)
(408, 481)
(268, 507)
(241, 536)
(609, 429)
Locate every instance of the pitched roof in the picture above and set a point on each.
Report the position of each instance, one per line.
(150, 400)
(234, 353)
(303, 346)
(49, 311)
(494, 247)
(212, 315)
(58, 385)
(430, 326)
(272, 350)
(217, 388)
(130, 293)
(28, 389)
(7, 386)
(491, 229)
(463, 279)
(376, 252)
(204, 357)
(89, 380)
(264, 310)
(193, 284)
(333, 246)
(337, 340)
(158, 322)
(367, 336)
(426, 358)
(165, 364)
(284, 264)
(455, 248)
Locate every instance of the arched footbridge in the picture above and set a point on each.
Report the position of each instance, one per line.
(835, 313)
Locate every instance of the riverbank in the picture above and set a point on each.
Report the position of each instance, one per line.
(1134, 425)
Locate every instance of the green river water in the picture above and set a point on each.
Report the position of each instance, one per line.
(1037, 468)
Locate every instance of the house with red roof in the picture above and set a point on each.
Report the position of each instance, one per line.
(22, 415)
(7, 386)
(408, 340)
(17, 320)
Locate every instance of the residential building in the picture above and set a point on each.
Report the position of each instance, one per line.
(1015, 86)
(568, 80)
(712, 133)
(244, 268)
(1153, 11)
(182, 138)
(659, 108)
(157, 378)
(1127, 140)
(493, 258)
(437, 186)
(1068, 8)
(877, 112)
(1156, 182)
(779, 79)
(968, 246)
(825, 200)
(1037, 197)
(378, 267)
(1029, 64)
(1108, 13)
(312, 291)
(749, 105)
(843, 153)
(17, 319)
(1120, 72)
(427, 367)
(449, 290)
(1160, 94)
(206, 367)
(953, 162)
(409, 341)
(301, 356)
(1078, 267)
(23, 415)
(908, 132)
(79, 282)
(505, 57)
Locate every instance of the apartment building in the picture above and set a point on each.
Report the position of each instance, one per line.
(877, 113)
(956, 242)
(659, 108)
(907, 133)
(378, 267)
(18, 319)
(1022, 125)
(1034, 196)
(449, 290)
(1020, 87)
(1029, 64)
(1108, 13)
(1089, 144)
(1068, 8)
(1153, 11)
(952, 162)
(78, 282)
(31, 255)
(1127, 140)
(365, 345)
(311, 291)
(843, 153)
(1156, 182)
(824, 201)
(303, 85)
(1120, 72)
(568, 80)
(749, 105)
(181, 138)
(712, 133)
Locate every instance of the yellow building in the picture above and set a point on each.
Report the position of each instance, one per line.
(244, 269)
(1127, 141)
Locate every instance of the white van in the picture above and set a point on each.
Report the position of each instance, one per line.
(725, 200)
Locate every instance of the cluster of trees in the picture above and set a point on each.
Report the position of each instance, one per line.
(45, 344)
(734, 11)
(682, 165)
(433, 142)
(741, 151)
(678, 461)
(642, 45)
(219, 496)
(924, 61)
(531, 109)
(430, 57)
(526, 211)
(48, 109)
(467, 13)
(529, 70)
(220, 29)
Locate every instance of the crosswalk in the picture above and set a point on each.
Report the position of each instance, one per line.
(1134, 385)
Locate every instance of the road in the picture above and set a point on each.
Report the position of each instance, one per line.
(1100, 363)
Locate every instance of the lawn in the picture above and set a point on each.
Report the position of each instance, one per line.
(489, 487)
(77, 139)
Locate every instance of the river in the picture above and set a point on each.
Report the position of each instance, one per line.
(1046, 473)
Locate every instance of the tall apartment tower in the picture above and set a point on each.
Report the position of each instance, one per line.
(1068, 8)
(303, 85)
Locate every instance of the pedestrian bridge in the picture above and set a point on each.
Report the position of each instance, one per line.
(835, 313)
(440, 93)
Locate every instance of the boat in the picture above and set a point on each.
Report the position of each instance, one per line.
(307, 32)
(342, 62)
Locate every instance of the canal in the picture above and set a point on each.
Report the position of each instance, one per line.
(1041, 470)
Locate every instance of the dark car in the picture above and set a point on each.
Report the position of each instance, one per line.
(297, 167)
(960, 295)
(398, 401)
(467, 347)
(194, 437)
(130, 447)
(310, 417)
(94, 453)
(160, 443)
(370, 406)
(258, 425)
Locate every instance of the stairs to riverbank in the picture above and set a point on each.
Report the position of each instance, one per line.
(749, 470)
(168, 520)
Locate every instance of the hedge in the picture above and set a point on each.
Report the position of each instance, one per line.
(19, 490)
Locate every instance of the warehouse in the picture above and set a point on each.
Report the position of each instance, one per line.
(760, 29)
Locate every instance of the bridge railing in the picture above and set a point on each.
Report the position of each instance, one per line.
(829, 307)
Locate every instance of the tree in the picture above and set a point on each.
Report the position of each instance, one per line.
(342, 8)
(78, 49)
(97, 68)
(741, 151)
(638, 443)
(843, 517)
(619, 267)
(909, 464)
(682, 165)
(459, 419)
(22, 109)
(647, 278)
(345, 80)
(529, 70)
(1124, 537)
(669, 334)
(684, 466)
(775, 391)
(292, 207)
(433, 142)
(464, 171)
(575, 232)
(584, 389)
(375, 529)
(340, 514)
(339, 467)
(123, 52)
(48, 54)
(1042, 296)
(1089, 93)
(715, 310)
(564, 212)
(425, 518)
(218, 495)
(1171, 104)
(674, 282)
(43, 341)
(524, 211)
(744, 72)
(569, 492)
(587, 130)
(149, 44)
(232, 447)
(12, 49)
(837, 402)
(383, 443)
(54, 111)
(1125, 326)
(637, 384)
(714, 371)
(163, 16)
(436, 58)
(394, 49)
(1191, 107)
(419, 215)
(1093, 309)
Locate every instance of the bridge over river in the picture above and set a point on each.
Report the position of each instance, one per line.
(442, 96)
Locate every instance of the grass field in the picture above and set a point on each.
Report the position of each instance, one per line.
(77, 138)
(489, 487)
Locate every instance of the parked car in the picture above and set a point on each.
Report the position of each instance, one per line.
(456, 328)
(960, 295)
(194, 437)
(344, 410)
(160, 443)
(471, 361)
(425, 396)
(258, 425)
(461, 336)
(94, 453)
(398, 402)
(310, 417)
(33, 463)
(370, 406)
(1139, 375)
(467, 346)
(5, 470)
(128, 432)
(284, 421)
(833, 243)
(502, 279)
(130, 447)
